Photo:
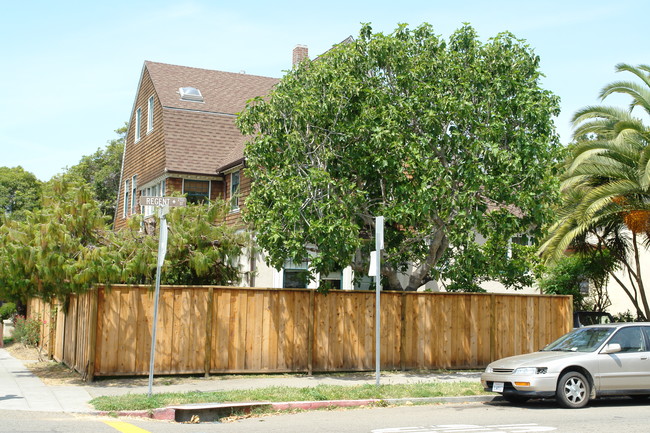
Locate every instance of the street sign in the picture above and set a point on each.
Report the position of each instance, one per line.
(163, 201)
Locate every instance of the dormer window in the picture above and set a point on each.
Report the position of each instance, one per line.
(190, 94)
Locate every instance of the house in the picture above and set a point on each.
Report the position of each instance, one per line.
(182, 136)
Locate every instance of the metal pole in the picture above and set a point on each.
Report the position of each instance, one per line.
(379, 245)
(162, 249)
(153, 332)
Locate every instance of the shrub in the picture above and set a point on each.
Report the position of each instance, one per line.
(27, 331)
(7, 310)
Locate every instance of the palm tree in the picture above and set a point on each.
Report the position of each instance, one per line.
(605, 184)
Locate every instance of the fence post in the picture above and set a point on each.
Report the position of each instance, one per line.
(493, 337)
(402, 334)
(208, 332)
(310, 333)
(92, 341)
(52, 329)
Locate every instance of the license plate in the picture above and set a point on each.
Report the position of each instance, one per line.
(497, 387)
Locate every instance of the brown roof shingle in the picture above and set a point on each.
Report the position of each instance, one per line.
(200, 137)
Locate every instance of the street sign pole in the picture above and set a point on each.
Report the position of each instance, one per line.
(379, 245)
(163, 204)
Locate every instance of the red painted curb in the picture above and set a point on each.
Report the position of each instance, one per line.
(307, 405)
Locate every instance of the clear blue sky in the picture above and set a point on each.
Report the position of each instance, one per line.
(69, 69)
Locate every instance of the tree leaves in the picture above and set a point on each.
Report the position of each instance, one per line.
(407, 126)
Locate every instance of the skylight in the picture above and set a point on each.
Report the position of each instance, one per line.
(190, 94)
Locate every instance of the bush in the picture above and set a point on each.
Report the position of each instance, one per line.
(27, 331)
(7, 310)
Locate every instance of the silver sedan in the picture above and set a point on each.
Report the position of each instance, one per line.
(586, 363)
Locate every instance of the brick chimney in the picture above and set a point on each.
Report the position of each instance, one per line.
(300, 53)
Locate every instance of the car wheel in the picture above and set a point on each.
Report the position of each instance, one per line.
(515, 399)
(573, 390)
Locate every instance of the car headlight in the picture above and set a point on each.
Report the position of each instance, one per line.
(489, 369)
(530, 370)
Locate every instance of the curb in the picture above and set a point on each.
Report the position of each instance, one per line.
(213, 411)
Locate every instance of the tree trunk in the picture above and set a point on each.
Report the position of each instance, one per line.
(438, 246)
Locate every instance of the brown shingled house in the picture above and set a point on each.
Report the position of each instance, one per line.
(182, 136)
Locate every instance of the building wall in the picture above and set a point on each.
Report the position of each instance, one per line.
(620, 301)
(146, 158)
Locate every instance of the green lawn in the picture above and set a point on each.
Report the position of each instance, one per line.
(283, 393)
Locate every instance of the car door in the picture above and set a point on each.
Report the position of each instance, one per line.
(628, 369)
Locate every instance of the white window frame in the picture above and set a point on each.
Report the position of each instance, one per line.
(150, 114)
(127, 191)
(138, 124)
(234, 191)
(134, 189)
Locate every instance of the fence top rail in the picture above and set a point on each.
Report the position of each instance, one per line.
(272, 289)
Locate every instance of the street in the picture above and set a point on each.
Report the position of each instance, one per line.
(606, 415)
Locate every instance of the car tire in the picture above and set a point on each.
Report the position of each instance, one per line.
(515, 399)
(573, 390)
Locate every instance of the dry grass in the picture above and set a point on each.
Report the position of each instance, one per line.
(49, 371)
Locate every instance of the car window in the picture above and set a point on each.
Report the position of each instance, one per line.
(580, 340)
(631, 339)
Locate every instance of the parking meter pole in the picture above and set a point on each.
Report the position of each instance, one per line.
(379, 245)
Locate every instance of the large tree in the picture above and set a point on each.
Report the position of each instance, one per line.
(101, 170)
(606, 186)
(444, 139)
(20, 191)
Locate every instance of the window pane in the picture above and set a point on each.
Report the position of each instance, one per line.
(295, 279)
(197, 191)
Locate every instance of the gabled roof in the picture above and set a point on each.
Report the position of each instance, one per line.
(201, 137)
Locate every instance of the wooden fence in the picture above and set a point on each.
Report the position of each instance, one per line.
(107, 332)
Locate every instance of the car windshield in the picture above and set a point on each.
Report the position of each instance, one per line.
(580, 340)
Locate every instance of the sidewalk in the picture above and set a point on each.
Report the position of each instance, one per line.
(22, 390)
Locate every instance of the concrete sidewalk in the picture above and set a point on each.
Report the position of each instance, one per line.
(22, 390)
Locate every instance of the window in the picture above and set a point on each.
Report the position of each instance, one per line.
(138, 119)
(295, 275)
(157, 190)
(150, 115)
(631, 339)
(127, 192)
(234, 191)
(197, 191)
(133, 193)
(332, 281)
(190, 94)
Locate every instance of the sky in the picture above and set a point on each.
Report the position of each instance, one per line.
(70, 69)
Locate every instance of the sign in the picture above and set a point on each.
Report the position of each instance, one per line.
(163, 201)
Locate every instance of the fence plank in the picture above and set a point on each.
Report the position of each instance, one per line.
(235, 330)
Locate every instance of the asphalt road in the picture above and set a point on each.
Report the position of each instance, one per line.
(620, 415)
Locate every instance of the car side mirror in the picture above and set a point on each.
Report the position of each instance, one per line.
(611, 348)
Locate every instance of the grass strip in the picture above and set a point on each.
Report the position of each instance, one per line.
(284, 393)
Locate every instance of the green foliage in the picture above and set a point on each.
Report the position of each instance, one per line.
(27, 331)
(606, 183)
(202, 248)
(433, 135)
(20, 192)
(101, 171)
(67, 246)
(7, 310)
(566, 276)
